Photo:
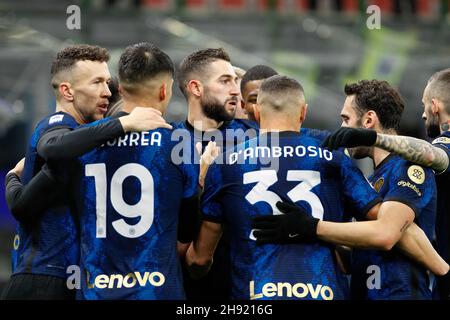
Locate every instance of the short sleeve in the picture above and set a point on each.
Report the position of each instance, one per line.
(444, 144)
(412, 185)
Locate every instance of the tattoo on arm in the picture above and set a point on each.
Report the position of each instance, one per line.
(414, 150)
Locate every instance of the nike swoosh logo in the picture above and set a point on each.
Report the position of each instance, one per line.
(293, 235)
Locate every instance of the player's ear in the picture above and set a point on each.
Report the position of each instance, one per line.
(120, 89)
(243, 107)
(303, 111)
(66, 91)
(162, 92)
(195, 87)
(370, 119)
(435, 105)
(257, 112)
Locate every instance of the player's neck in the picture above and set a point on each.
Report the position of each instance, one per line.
(130, 104)
(199, 120)
(69, 108)
(277, 125)
(445, 126)
(379, 155)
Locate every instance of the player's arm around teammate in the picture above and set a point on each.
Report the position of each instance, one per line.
(412, 149)
(64, 144)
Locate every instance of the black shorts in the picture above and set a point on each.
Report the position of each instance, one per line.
(27, 286)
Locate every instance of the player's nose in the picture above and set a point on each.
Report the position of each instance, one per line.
(234, 91)
(106, 92)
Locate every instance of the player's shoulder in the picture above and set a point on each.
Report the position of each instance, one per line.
(179, 124)
(164, 134)
(318, 134)
(305, 138)
(314, 141)
(443, 139)
(418, 174)
(57, 119)
(103, 120)
(184, 130)
(242, 124)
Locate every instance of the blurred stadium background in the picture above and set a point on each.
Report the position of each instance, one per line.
(322, 43)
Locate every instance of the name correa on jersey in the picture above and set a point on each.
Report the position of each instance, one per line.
(134, 139)
(130, 198)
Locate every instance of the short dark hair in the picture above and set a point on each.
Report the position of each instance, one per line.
(196, 63)
(439, 87)
(142, 61)
(280, 92)
(67, 57)
(280, 83)
(258, 72)
(380, 97)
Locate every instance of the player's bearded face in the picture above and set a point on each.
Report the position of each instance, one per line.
(90, 90)
(431, 123)
(353, 119)
(215, 109)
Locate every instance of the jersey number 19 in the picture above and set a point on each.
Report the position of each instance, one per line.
(143, 208)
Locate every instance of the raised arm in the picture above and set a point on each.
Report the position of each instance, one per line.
(66, 143)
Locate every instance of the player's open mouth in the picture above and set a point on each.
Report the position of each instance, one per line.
(232, 103)
(103, 108)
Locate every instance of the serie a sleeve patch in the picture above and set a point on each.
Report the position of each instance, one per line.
(56, 118)
(443, 140)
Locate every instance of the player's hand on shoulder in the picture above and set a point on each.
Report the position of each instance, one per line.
(349, 138)
(143, 119)
(18, 169)
(294, 226)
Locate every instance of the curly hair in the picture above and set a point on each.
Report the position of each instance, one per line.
(67, 57)
(380, 97)
(196, 63)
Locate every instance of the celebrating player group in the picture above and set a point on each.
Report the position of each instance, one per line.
(239, 201)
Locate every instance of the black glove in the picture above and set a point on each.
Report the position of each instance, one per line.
(349, 138)
(294, 226)
(443, 286)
